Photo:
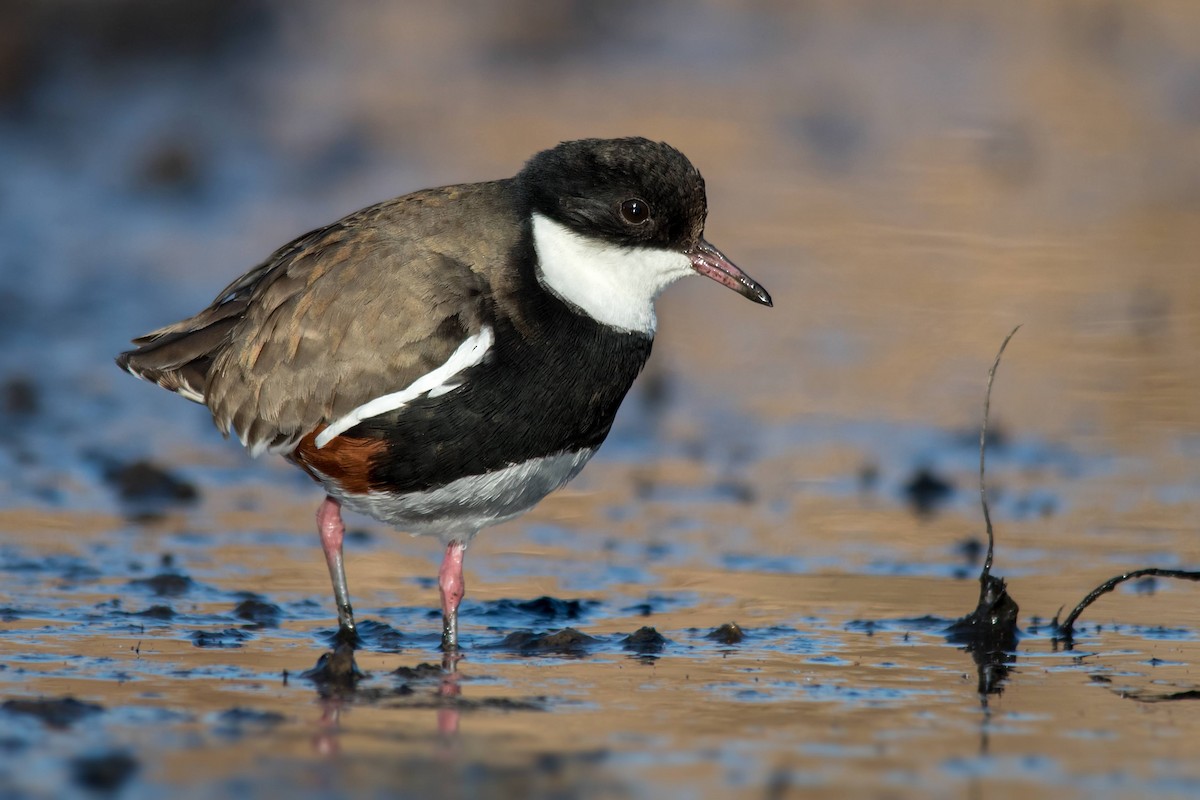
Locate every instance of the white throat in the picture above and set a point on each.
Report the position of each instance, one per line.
(614, 285)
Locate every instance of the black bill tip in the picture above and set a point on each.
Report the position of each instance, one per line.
(712, 263)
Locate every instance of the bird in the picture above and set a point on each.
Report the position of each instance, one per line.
(443, 360)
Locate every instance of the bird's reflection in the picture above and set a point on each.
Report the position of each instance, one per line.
(325, 740)
(336, 677)
(449, 691)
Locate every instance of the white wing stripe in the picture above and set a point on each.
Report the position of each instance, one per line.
(435, 383)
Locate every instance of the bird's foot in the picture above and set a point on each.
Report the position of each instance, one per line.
(335, 672)
(347, 635)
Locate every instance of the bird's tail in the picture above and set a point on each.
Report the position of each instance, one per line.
(178, 357)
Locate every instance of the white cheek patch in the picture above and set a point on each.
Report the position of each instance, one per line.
(614, 285)
(444, 379)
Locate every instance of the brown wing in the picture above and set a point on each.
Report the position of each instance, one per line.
(338, 317)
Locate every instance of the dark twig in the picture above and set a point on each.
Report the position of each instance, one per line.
(1066, 630)
(987, 404)
(989, 633)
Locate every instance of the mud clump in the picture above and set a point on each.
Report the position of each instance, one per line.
(258, 612)
(421, 672)
(165, 584)
(19, 396)
(568, 641)
(645, 641)
(927, 490)
(729, 633)
(54, 712)
(543, 609)
(148, 491)
(173, 166)
(970, 549)
(105, 772)
(158, 612)
(143, 481)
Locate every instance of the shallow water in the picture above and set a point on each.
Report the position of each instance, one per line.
(909, 183)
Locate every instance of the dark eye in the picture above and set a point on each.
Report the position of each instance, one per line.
(635, 211)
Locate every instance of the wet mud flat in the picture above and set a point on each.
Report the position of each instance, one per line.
(167, 651)
(757, 589)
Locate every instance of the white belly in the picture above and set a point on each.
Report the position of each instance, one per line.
(461, 508)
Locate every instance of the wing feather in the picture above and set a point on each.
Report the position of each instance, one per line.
(350, 312)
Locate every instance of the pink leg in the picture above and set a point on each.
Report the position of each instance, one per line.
(453, 587)
(329, 524)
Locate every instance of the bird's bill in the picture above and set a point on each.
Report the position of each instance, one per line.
(712, 263)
